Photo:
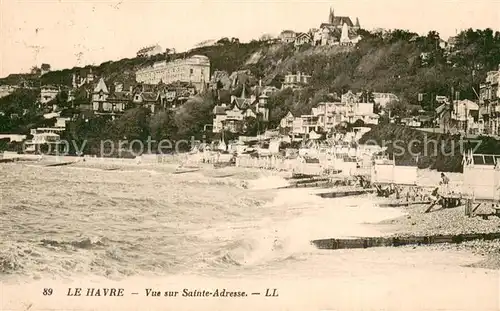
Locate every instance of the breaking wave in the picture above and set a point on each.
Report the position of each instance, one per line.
(150, 222)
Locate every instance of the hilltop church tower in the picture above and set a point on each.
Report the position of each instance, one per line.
(331, 17)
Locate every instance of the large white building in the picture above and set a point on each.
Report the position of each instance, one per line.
(195, 70)
(327, 115)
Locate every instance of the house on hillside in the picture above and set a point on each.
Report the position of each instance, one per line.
(303, 38)
(232, 116)
(120, 97)
(326, 116)
(288, 36)
(382, 99)
(338, 30)
(44, 68)
(489, 100)
(441, 99)
(82, 77)
(269, 90)
(48, 93)
(104, 104)
(295, 81)
(349, 97)
(174, 95)
(149, 100)
(459, 116)
(465, 116)
(286, 123)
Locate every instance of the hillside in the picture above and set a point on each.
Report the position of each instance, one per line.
(383, 62)
(396, 61)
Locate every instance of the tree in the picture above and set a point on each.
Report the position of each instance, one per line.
(87, 134)
(265, 37)
(251, 126)
(223, 41)
(61, 100)
(367, 97)
(132, 125)
(397, 109)
(162, 125)
(191, 119)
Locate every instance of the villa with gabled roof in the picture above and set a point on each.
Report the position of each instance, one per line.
(232, 116)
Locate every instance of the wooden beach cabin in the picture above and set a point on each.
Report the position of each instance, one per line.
(481, 185)
(385, 171)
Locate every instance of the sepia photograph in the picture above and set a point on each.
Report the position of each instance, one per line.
(219, 155)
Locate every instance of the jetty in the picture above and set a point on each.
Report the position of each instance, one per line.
(8, 160)
(366, 242)
(61, 164)
(185, 171)
(338, 193)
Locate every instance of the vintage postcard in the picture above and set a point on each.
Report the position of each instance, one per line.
(249, 155)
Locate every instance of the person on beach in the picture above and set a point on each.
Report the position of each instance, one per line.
(434, 194)
(444, 179)
(444, 182)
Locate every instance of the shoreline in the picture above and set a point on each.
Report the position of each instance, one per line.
(397, 270)
(451, 221)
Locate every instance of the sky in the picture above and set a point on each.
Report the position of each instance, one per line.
(66, 33)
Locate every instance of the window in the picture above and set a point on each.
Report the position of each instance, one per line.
(478, 159)
(489, 160)
(191, 71)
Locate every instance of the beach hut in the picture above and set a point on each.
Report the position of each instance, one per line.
(482, 176)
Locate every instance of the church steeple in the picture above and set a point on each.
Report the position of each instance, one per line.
(331, 17)
(243, 90)
(357, 23)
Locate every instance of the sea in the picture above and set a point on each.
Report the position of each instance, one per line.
(68, 223)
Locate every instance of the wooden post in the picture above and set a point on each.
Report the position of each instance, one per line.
(468, 208)
(432, 205)
(475, 208)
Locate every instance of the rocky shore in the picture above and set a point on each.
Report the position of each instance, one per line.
(449, 222)
(441, 221)
(488, 250)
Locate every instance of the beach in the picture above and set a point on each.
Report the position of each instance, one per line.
(141, 227)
